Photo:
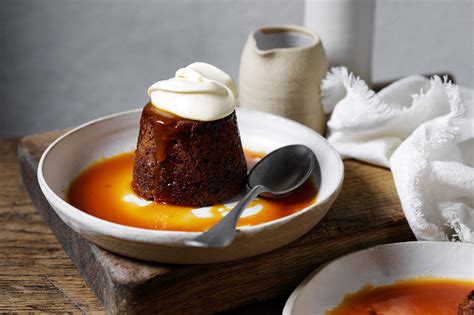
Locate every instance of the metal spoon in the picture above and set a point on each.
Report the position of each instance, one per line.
(275, 176)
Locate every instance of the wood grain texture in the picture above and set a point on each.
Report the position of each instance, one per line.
(36, 275)
(366, 213)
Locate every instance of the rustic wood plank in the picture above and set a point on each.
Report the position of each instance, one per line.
(367, 213)
(36, 275)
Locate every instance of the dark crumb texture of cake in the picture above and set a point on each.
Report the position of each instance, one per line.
(145, 163)
(200, 163)
(467, 306)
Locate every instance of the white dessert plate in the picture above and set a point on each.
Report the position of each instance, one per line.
(68, 155)
(325, 288)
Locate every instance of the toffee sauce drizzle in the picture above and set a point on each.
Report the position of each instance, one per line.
(165, 128)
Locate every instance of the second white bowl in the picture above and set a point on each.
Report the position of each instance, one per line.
(380, 265)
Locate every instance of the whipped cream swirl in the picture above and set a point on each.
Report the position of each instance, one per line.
(200, 92)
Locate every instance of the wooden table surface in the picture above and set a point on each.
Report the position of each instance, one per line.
(35, 272)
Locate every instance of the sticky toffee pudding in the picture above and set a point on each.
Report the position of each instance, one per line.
(184, 162)
(189, 151)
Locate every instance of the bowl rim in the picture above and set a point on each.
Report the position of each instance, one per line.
(143, 235)
(292, 299)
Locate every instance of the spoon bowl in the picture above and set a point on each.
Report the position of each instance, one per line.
(276, 175)
(283, 170)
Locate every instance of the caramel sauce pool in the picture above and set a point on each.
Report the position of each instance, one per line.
(104, 190)
(412, 296)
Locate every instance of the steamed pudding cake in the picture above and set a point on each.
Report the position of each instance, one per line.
(189, 150)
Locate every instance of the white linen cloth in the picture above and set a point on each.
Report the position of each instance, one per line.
(423, 130)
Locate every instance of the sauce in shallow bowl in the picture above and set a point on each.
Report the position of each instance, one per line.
(104, 190)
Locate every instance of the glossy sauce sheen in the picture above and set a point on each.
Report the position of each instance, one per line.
(413, 296)
(104, 190)
(165, 126)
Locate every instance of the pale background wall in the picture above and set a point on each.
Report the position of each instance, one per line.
(424, 36)
(63, 62)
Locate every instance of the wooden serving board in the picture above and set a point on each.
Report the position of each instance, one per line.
(367, 213)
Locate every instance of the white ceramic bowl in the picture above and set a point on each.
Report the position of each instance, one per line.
(105, 137)
(380, 265)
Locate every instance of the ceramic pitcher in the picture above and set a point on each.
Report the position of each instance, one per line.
(280, 72)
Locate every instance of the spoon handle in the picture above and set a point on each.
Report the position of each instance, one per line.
(223, 233)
